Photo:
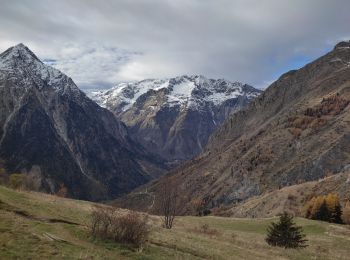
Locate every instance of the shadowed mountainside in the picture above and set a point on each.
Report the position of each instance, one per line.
(51, 131)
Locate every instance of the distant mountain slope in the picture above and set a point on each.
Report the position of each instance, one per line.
(174, 117)
(298, 130)
(50, 129)
(292, 198)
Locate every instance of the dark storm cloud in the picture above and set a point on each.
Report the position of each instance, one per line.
(101, 42)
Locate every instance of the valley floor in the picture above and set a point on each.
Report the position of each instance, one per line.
(40, 226)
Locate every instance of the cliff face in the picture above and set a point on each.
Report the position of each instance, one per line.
(51, 130)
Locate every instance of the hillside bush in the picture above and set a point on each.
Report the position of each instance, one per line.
(200, 208)
(205, 229)
(16, 181)
(62, 191)
(4, 177)
(20, 181)
(130, 228)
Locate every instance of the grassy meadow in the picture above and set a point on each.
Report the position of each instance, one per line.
(40, 226)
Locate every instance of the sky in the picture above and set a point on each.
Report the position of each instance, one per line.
(101, 43)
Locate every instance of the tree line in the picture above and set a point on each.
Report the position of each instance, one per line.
(328, 208)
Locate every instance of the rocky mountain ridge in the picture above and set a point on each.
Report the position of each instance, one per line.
(52, 132)
(173, 118)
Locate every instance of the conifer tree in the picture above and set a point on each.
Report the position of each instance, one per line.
(337, 215)
(285, 233)
(323, 212)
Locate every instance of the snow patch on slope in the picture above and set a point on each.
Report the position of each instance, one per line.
(181, 93)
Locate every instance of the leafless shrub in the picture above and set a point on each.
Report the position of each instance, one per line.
(62, 191)
(101, 219)
(206, 230)
(130, 228)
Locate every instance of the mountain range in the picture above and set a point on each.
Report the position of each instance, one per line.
(238, 150)
(58, 137)
(174, 117)
(292, 139)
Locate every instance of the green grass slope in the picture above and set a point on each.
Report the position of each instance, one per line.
(40, 226)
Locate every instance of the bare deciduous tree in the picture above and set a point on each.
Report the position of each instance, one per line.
(167, 202)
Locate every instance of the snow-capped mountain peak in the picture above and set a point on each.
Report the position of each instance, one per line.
(184, 91)
(174, 117)
(20, 51)
(21, 63)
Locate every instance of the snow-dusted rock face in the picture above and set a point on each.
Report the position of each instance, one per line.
(184, 91)
(21, 63)
(51, 130)
(175, 117)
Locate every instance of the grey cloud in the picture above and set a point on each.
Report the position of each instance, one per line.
(246, 40)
